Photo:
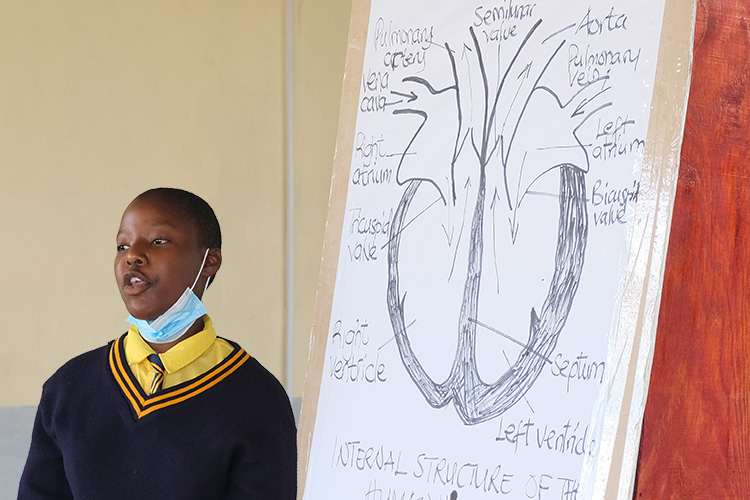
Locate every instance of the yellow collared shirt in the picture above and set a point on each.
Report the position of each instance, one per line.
(190, 358)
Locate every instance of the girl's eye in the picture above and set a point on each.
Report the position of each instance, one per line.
(121, 248)
(159, 241)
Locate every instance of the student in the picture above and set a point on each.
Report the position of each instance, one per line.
(168, 410)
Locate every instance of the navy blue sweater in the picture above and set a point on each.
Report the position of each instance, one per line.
(226, 434)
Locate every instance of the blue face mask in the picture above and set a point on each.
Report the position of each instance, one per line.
(177, 319)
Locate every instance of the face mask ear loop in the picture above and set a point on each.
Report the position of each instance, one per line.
(200, 271)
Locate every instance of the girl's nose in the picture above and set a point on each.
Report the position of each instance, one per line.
(135, 255)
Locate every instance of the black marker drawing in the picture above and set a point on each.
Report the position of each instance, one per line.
(484, 173)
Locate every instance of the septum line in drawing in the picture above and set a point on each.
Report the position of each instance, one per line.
(511, 338)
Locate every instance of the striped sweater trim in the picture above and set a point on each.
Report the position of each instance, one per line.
(144, 404)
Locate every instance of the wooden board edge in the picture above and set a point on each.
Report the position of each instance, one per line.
(358, 24)
(660, 170)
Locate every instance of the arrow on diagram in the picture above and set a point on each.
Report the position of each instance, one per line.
(410, 96)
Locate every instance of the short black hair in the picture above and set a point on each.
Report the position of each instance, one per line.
(194, 209)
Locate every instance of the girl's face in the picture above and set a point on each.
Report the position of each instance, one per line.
(158, 256)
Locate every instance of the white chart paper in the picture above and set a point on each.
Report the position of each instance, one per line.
(494, 180)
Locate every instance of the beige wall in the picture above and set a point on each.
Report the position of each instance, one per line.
(321, 33)
(100, 101)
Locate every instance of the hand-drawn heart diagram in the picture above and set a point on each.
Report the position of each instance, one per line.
(499, 160)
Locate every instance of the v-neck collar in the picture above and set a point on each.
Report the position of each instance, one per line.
(177, 357)
(144, 404)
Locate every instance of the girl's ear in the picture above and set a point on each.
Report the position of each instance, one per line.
(213, 262)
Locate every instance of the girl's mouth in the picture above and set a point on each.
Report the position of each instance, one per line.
(134, 283)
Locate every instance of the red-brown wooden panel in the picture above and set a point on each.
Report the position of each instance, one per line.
(696, 432)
